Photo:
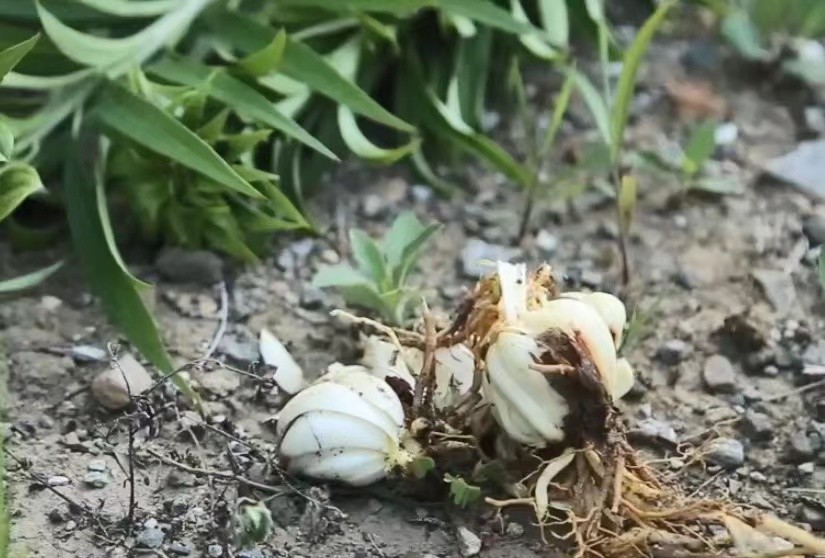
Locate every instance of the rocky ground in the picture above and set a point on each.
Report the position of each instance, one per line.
(733, 344)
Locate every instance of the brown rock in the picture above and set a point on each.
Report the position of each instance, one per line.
(114, 387)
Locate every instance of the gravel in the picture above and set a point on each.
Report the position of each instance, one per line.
(726, 452)
(719, 375)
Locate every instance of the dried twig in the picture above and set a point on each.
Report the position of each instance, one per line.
(423, 387)
(223, 318)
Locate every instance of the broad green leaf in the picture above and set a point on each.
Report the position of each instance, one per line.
(339, 275)
(488, 13)
(130, 8)
(627, 79)
(700, 146)
(28, 280)
(115, 56)
(413, 251)
(359, 144)
(628, 192)
(6, 141)
(462, 493)
(534, 43)
(559, 109)
(595, 102)
(11, 56)
(236, 94)
(17, 182)
(304, 65)
(555, 21)
(117, 289)
(144, 123)
(366, 296)
(368, 255)
(405, 229)
(266, 60)
(595, 9)
(738, 28)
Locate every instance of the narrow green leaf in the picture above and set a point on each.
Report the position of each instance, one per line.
(628, 193)
(555, 21)
(236, 94)
(115, 56)
(472, 70)
(559, 109)
(45, 83)
(130, 8)
(359, 144)
(304, 65)
(534, 43)
(740, 30)
(157, 131)
(368, 255)
(397, 7)
(403, 232)
(339, 275)
(268, 59)
(425, 171)
(488, 13)
(28, 280)
(213, 128)
(412, 252)
(595, 102)
(17, 182)
(11, 56)
(701, 144)
(595, 9)
(6, 141)
(716, 185)
(116, 289)
(627, 79)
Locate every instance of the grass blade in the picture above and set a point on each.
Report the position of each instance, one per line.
(361, 145)
(128, 8)
(483, 11)
(559, 109)
(9, 57)
(28, 281)
(235, 94)
(304, 65)
(144, 123)
(117, 289)
(17, 182)
(595, 102)
(555, 21)
(700, 146)
(627, 79)
(266, 60)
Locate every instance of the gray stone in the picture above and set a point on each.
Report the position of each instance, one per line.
(373, 206)
(88, 353)
(151, 536)
(114, 387)
(468, 542)
(312, 297)
(179, 505)
(514, 530)
(802, 447)
(476, 254)
(58, 480)
(97, 465)
(251, 553)
(240, 351)
(96, 479)
(778, 288)
(814, 228)
(179, 549)
(220, 381)
(547, 242)
(806, 468)
(190, 266)
(719, 375)
(815, 119)
(673, 351)
(421, 193)
(727, 452)
(654, 430)
(802, 167)
(758, 426)
(214, 550)
(813, 515)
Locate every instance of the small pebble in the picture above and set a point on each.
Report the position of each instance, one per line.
(476, 255)
(801, 447)
(653, 430)
(116, 385)
(757, 476)
(179, 549)
(96, 479)
(673, 351)
(813, 516)
(58, 481)
(806, 468)
(547, 242)
(214, 550)
(726, 452)
(151, 536)
(758, 426)
(514, 530)
(469, 543)
(719, 375)
(190, 266)
(97, 465)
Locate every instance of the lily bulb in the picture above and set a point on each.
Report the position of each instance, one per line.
(609, 307)
(454, 367)
(345, 427)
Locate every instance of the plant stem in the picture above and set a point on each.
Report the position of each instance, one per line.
(623, 229)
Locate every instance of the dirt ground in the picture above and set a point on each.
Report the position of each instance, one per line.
(729, 277)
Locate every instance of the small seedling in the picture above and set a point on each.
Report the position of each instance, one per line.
(693, 162)
(461, 493)
(379, 280)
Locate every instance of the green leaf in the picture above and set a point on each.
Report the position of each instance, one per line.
(559, 109)
(157, 131)
(716, 185)
(413, 251)
(822, 268)
(11, 56)
(115, 56)
(403, 232)
(368, 255)
(28, 280)
(739, 29)
(397, 7)
(266, 60)
(488, 13)
(304, 65)
(425, 171)
(595, 9)
(213, 128)
(628, 193)
(359, 144)
(472, 71)
(6, 141)
(555, 21)
(339, 275)
(700, 146)
(421, 466)
(236, 94)
(117, 289)
(595, 102)
(627, 79)
(461, 493)
(130, 8)
(17, 182)
(534, 43)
